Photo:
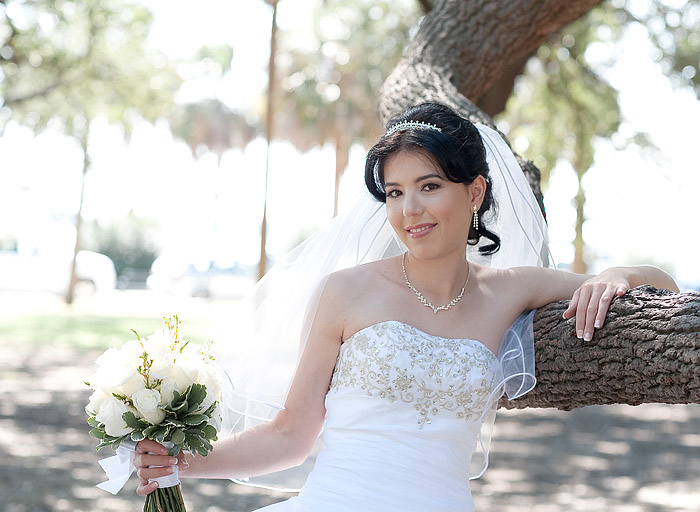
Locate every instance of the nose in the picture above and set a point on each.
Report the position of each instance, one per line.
(412, 205)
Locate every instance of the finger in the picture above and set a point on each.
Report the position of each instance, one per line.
(592, 312)
(581, 310)
(148, 445)
(155, 472)
(571, 310)
(146, 460)
(146, 488)
(604, 304)
(622, 289)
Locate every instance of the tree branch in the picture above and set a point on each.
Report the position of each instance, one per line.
(648, 351)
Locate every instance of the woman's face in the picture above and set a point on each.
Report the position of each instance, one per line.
(431, 214)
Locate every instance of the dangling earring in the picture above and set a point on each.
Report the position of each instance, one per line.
(476, 218)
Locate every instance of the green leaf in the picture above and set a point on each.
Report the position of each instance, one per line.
(194, 419)
(177, 437)
(103, 444)
(97, 432)
(174, 422)
(192, 442)
(195, 432)
(149, 432)
(211, 409)
(92, 421)
(206, 444)
(159, 435)
(174, 451)
(118, 441)
(133, 422)
(209, 432)
(178, 403)
(137, 436)
(196, 394)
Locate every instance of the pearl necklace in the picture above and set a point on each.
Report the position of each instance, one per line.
(423, 300)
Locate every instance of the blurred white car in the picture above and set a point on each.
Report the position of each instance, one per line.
(205, 278)
(51, 272)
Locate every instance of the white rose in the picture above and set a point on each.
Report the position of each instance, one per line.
(166, 391)
(95, 402)
(130, 383)
(209, 377)
(107, 357)
(185, 373)
(160, 351)
(146, 402)
(110, 413)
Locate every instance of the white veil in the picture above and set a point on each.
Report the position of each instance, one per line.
(272, 326)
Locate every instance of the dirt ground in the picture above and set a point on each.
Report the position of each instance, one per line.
(614, 458)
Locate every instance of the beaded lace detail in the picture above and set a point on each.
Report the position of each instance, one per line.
(395, 361)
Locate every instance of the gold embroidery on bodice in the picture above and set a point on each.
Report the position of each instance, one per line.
(395, 361)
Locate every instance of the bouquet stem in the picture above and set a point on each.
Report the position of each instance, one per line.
(168, 499)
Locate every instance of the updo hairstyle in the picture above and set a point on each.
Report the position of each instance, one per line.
(457, 149)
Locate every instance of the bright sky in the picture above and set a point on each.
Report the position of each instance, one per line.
(639, 209)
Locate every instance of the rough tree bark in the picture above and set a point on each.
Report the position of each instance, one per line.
(649, 349)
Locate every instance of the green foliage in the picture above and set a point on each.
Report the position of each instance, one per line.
(66, 62)
(561, 103)
(674, 31)
(129, 242)
(330, 85)
(213, 125)
(185, 424)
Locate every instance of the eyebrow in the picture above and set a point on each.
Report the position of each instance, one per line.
(420, 178)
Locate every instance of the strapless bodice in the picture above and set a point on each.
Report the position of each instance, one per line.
(402, 419)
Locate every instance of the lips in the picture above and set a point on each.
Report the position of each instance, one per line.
(420, 230)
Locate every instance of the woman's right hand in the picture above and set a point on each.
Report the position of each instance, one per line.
(151, 460)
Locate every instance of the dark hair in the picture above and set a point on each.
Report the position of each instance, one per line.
(457, 149)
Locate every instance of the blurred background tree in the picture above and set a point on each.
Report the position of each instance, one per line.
(131, 243)
(330, 79)
(65, 63)
(563, 102)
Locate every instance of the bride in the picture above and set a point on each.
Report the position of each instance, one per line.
(406, 356)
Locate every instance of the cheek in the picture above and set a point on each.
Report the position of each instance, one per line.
(395, 216)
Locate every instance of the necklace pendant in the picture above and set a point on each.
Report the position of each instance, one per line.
(423, 300)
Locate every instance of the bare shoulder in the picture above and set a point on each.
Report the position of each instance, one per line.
(533, 287)
(357, 281)
(360, 293)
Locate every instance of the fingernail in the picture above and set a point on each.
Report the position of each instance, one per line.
(172, 461)
(579, 334)
(597, 325)
(171, 469)
(587, 336)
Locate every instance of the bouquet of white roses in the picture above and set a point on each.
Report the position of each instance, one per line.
(160, 388)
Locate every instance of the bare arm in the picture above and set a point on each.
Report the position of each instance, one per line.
(590, 295)
(285, 441)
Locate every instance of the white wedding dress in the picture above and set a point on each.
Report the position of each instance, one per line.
(403, 414)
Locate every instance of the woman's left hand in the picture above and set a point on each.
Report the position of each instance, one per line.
(592, 299)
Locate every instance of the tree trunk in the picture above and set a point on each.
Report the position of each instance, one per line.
(649, 348)
(579, 263)
(70, 292)
(648, 351)
(464, 48)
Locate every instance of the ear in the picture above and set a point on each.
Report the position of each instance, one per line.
(477, 189)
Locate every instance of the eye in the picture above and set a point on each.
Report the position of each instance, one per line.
(431, 186)
(394, 193)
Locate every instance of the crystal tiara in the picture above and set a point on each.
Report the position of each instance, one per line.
(405, 125)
